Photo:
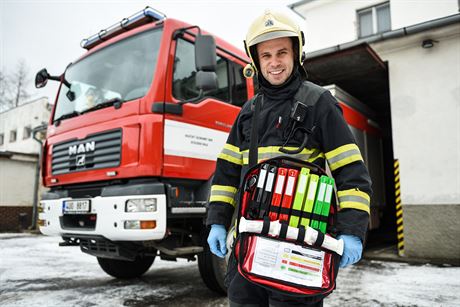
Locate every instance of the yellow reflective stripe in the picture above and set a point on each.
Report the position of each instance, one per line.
(269, 152)
(354, 199)
(223, 193)
(343, 155)
(224, 199)
(226, 188)
(231, 154)
(232, 148)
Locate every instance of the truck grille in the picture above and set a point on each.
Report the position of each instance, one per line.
(99, 150)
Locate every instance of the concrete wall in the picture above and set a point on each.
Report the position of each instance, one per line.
(31, 114)
(432, 231)
(331, 22)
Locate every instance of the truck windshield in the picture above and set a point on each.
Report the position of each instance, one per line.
(120, 72)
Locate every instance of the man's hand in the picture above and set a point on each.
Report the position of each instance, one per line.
(352, 250)
(217, 240)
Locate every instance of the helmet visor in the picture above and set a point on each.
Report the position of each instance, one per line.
(271, 35)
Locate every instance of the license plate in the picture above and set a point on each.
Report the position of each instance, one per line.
(76, 206)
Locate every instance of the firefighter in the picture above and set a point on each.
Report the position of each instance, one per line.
(274, 44)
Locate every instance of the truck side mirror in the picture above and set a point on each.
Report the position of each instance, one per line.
(205, 53)
(41, 78)
(206, 80)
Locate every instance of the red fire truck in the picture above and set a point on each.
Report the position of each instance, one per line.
(132, 141)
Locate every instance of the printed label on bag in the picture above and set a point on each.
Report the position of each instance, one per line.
(288, 262)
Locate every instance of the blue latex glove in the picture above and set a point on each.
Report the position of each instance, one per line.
(352, 250)
(217, 240)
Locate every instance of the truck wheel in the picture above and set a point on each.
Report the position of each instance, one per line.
(212, 269)
(125, 269)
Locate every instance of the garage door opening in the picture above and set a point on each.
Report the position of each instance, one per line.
(359, 78)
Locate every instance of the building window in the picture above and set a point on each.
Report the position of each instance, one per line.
(2, 137)
(13, 134)
(27, 132)
(374, 20)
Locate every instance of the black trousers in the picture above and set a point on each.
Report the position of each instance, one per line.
(242, 293)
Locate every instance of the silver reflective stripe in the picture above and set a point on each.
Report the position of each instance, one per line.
(343, 155)
(354, 198)
(231, 153)
(222, 193)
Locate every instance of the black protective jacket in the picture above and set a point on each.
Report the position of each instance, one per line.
(331, 142)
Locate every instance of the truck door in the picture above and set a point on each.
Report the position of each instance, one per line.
(197, 128)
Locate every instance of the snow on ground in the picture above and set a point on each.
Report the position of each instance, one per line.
(35, 271)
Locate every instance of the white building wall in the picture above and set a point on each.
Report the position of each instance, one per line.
(333, 22)
(17, 178)
(33, 114)
(409, 12)
(425, 112)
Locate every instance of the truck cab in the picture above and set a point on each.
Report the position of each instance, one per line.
(132, 142)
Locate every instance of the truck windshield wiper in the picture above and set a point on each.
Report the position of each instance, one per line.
(68, 115)
(114, 101)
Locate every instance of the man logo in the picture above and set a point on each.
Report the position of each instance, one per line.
(82, 148)
(81, 160)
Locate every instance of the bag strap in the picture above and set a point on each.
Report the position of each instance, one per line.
(254, 141)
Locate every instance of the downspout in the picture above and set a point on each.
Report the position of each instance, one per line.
(35, 131)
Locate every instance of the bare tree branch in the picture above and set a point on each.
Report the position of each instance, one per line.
(19, 81)
(4, 87)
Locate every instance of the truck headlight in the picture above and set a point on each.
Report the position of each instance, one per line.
(141, 205)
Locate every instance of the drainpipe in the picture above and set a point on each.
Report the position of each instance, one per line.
(35, 131)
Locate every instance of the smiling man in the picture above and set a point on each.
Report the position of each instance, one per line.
(274, 44)
(276, 59)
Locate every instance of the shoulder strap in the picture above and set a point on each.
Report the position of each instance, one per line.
(254, 138)
(309, 94)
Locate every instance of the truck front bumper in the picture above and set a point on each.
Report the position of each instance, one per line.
(106, 217)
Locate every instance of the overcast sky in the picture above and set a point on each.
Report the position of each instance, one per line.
(47, 33)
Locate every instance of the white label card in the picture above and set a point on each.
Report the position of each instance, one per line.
(288, 262)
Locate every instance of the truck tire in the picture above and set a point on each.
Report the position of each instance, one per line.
(125, 269)
(212, 269)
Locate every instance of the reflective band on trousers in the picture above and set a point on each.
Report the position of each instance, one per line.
(231, 154)
(343, 155)
(273, 152)
(223, 193)
(354, 199)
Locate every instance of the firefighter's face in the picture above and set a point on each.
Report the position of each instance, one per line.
(276, 59)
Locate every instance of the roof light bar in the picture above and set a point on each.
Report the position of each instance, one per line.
(140, 18)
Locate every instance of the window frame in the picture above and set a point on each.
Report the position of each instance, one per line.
(2, 139)
(27, 132)
(15, 133)
(373, 9)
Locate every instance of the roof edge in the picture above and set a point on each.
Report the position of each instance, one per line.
(409, 30)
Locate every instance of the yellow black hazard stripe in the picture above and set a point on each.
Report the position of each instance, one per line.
(343, 155)
(354, 199)
(399, 210)
(223, 193)
(231, 154)
(269, 152)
